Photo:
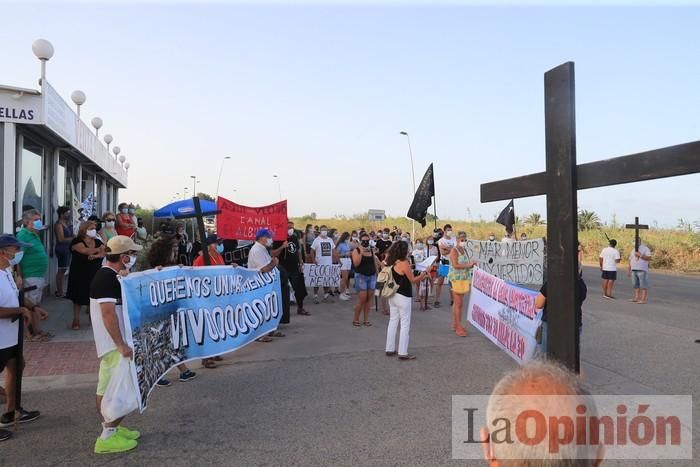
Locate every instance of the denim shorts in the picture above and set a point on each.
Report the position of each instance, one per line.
(363, 282)
(640, 280)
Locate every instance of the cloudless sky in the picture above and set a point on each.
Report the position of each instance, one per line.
(319, 93)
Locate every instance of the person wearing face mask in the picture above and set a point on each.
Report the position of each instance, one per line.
(109, 229)
(523, 237)
(63, 229)
(343, 250)
(260, 258)
(492, 237)
(383, 243)
(132, 213)
(460, 278)
(290, 259)
(32, 269)
(419, 254)
(184, 247)
(87, 253)
(322, 254)
(445, 245)
(308, 240)
(366, 266)
(125, 223)
(141, 232)
(10, 353)
(108, 330)
(215, 248)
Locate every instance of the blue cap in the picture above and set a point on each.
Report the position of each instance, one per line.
(212, 238)
(263, 233)
(10, 240)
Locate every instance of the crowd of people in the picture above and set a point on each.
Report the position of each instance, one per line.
(385, 266)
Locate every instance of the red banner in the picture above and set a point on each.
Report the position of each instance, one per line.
(239, 222)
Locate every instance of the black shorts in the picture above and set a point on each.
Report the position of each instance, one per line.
(63, 258)
(609, 275)
(8, 354)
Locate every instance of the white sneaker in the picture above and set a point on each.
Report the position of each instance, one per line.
(344, 297)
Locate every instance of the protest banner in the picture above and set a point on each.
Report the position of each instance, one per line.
(239, 222)
(505, 313)
(238, 255)
(181, 313)
(319, 275)
(517, 262)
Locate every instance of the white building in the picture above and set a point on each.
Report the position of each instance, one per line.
(50, 157)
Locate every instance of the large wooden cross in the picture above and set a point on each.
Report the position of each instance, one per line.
(560, 183)
(636, 226)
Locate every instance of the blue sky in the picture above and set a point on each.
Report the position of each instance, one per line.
(318, 94)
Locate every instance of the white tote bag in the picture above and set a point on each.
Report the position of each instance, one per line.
(120, 397)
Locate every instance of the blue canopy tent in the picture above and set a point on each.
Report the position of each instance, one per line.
(185, 209)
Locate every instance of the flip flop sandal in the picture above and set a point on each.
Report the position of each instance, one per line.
(304, 313)
(356, 324)
(76, 325)
(277, 334)
(264, 339)
(207, 363)
(367, 323)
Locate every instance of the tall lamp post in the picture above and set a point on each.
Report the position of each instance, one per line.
(194, 184)
(413, 174)
(184, 193)
(221, 170)
(279, 189)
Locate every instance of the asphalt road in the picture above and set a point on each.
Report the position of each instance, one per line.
(326, 394)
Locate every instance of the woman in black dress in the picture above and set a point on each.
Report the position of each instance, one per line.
(87, 252)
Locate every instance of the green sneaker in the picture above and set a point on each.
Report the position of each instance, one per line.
(127, 433)
(114, 444)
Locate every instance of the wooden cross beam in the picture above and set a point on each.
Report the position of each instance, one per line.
(636, 226)
(560, 183)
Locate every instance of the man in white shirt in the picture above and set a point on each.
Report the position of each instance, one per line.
(639, 271)
(260, 259)
(10, 314)
(609, 258)
(322, 254)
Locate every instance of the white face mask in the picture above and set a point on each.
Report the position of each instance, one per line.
(385, 236)
(492, 238)
(132, 261)
(430, 242)
(448, 233)
(109, 224)
(17, 258)
(324, 233)
(268, 242)
(92, 233)
(419, 246)
(290, 232)
(463, 244)
(354, 239)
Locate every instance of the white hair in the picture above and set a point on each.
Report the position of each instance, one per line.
(516, 454)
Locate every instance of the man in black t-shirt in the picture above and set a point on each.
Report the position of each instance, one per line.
(292, 262)
(383, 243)
(541, 302)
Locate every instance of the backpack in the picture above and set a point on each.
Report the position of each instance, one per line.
(386, 282)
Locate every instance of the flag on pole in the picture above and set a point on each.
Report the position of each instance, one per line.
(507, 217)
(423, 197)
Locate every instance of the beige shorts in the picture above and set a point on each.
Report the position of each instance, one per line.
(34, 296)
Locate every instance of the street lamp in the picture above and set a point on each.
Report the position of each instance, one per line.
(221, 170)
(108, 139)
(43, 50)
(116, 150)
(184, 193)
(279, 189)
(194, 184)
(97, 124)
(78, 97)
(413, 173)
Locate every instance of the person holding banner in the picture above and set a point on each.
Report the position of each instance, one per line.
(460, 276)
(366, 265)
(108, 330)
(322, 254)
(260, 259)
(401, 301)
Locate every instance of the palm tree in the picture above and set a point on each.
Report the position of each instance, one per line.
(588, 220)
(535, 219)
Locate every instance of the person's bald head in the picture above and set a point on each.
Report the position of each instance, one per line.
(526, 389)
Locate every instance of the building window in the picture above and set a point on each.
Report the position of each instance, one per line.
(31, 175)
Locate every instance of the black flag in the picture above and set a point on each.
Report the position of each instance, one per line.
(422, 199)
(507, 217)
